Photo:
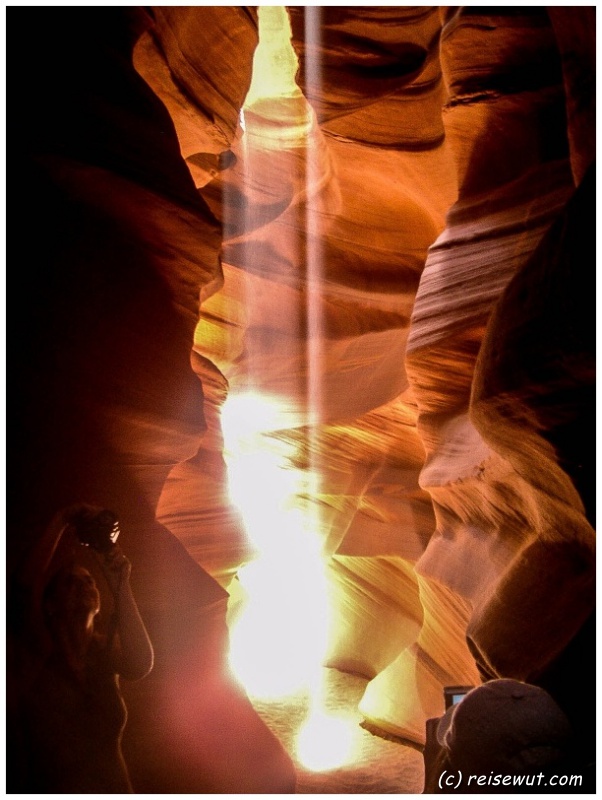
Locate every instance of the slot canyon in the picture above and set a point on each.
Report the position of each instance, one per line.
(306, 295)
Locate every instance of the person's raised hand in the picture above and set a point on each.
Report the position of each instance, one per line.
(116, 567)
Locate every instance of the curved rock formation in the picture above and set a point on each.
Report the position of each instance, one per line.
(510, 523)
(107, 402)
(389, 250)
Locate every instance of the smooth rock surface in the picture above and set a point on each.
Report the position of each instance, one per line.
(395, 244)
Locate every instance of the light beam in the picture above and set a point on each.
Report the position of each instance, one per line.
(279, 612)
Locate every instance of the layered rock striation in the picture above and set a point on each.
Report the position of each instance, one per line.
(513, 527)
(107, 402)
(392, 243)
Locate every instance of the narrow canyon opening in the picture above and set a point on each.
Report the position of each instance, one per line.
(311, 306)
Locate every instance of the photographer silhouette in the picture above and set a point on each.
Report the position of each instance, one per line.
(70, 710)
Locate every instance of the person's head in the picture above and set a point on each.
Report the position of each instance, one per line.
(506, 726)
(71, 596)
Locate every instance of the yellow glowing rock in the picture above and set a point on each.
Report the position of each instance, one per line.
(275, 64)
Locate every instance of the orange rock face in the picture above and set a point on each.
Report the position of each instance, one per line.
(375, 227)
(508, 514)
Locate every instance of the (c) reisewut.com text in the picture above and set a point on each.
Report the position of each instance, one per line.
(456, 780)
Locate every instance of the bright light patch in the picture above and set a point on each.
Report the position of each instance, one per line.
(278, 641)
(325, 742)
(274, 645)
(275, 63)
(279, 613)
(278, 113)
(260, 484)
(249, 414)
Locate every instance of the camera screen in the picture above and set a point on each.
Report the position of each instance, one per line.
(454, 694)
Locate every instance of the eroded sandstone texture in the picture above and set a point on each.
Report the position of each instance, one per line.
(513, 522)
(401, 250)
(114, 246)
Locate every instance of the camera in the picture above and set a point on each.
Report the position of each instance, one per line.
(96, 529)
(454, 694)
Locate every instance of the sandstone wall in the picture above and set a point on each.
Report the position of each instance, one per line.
(401, 250)
(115, 245)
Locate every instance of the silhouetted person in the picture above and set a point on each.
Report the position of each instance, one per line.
(69, 708)
(507, 737)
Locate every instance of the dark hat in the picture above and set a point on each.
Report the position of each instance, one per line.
(505, 725)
